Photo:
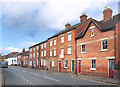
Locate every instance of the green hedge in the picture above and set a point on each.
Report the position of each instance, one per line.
(118, 66)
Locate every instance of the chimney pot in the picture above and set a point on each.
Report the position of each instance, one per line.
(23, 50)
(67, 25)
(107, 13)
(83, 17)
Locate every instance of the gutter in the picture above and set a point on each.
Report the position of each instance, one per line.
(76, 57)
(115, 46)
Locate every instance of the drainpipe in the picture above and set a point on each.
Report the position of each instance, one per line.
(115, 45)
(76, 56)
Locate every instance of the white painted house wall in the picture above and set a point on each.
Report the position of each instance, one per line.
(10, 60)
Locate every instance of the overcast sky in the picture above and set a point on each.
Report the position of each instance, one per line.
(26, 22)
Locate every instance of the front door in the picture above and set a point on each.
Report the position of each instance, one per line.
(111, 68)
(79, 65)
(59, 66)
(72, 65)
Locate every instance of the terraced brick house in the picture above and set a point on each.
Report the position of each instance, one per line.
(98, 45)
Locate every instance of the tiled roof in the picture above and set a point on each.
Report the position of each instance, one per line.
(101, 25)
(24, 54)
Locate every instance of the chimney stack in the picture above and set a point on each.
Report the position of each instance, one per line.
(107, 13)
(67, 25)
(23, 50)
(83, 17)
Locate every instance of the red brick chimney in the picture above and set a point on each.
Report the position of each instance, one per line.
(107, 13)
(83, 17)
(67, 25)
(12, 52)
(23, 50)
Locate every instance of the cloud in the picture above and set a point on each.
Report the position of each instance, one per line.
(7, 50)
(28, 43)
(48, 14)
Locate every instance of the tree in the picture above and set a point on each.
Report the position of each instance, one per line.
(0, 56)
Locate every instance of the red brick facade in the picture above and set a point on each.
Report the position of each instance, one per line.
(64, 54)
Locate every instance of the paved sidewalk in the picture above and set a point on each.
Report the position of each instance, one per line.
(86, 77)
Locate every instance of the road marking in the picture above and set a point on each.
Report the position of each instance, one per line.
(23, 78)
(51, 78)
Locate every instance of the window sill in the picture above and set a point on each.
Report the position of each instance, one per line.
(82, 52)
(104, 50)
(92, 36)
(92, 69)
(65, 67)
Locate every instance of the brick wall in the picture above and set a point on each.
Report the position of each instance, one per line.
(93, 50)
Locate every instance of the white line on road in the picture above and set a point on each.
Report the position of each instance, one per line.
(51, 78)
(23, 78)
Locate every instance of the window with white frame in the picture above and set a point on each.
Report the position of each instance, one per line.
(69, 49)
(83, 48)
(54, 41)
(37, 47)
(30, 49)
(24, 57)
(62, 51)
(44, 62)
(34, 55)
(50, 42)
(50, 52)
(104, 44)
(30, 56)
(54, 52)
(44, 45)
(53, 63)
(41, 53)
(41, 46)
(41, 61)
(92, 32)
(24, 61)
(66, 63)
(37, 54)
(69, 36)
(62, 39)
(19, 57)
(44, 52)
(34, 49)
(93, 64)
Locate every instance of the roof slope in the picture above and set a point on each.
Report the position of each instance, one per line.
(101, 25)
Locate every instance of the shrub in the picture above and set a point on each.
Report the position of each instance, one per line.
(118, 66)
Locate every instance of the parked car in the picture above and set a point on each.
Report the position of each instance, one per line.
(4, 64)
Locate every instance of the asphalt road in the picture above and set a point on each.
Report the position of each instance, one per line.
(22, 76)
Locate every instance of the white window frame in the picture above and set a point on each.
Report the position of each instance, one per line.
(30, 56)
(69, 50)
(102, 45)
(92, 32)
(54, 52)
(93, 68)
(34, 49)
(54, 42)
(62, 39)
(65, 63)
(62, 51)
(41, 46)
(44, 45)
(53, 63)
(82, 49)
(50, 53)
(37, 47)
(41, 53)
(44, 52)
(34, 55)
(42, 62)
(50, 43)
(69, 36)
